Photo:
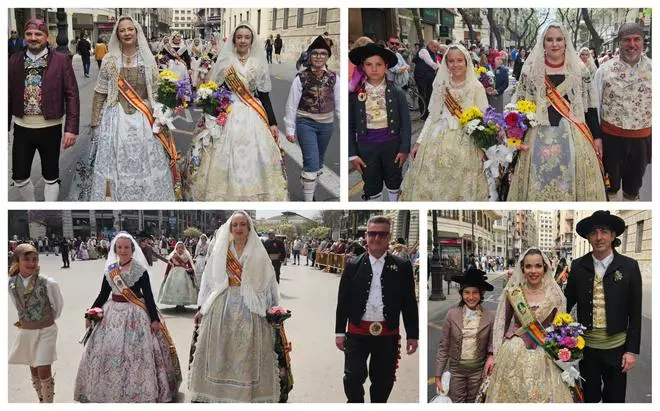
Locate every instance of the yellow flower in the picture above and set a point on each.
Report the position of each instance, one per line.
(169, 75)
(480, 70)
(228, 109)
(211, 85)
(469, 115)
(514, 142)
(557, 322)
(566, 317)
(580, 343)
(526, 106)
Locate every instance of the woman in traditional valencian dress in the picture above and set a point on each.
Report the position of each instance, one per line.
(233, 357)
(588, 61)
(522, 371)
(196, 54)
(127, 162)
(240, 161)
(83, 255)
(563, 161)
(130, 356)
(39, 303)
(201, 256)
(179, 287)
(447, 166)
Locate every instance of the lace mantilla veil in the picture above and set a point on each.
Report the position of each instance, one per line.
(553, 296)
(257, 56)
(138, 256)
(258, 281)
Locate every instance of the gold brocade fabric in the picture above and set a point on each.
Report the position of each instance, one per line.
(470, 328)
(561, 165)
(600, 320)
(375, 106)
(597, 338)
(138, 81)
(521, 375)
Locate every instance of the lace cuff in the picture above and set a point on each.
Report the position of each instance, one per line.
(97, 106)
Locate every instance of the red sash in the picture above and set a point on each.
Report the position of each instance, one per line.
(237, 86)
(115, 276)
(452, 104)
(166, 140)
(561, 105)
(234, 270)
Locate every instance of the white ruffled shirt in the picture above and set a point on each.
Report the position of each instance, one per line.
(374, 308)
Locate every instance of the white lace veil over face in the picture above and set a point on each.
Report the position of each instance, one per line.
(259, 288)
(443, 78)
(553, 295)
(257, 57)
(138, 256)
(533, 75)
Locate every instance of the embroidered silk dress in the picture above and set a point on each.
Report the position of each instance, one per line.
(234, 359)
(448, 166)
(124, 153)
(124, 361)
(178, 287)
(239, 161)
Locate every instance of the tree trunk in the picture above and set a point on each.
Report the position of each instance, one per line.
(494, 29)
(418, 27)
(468, 22)
(595, 37)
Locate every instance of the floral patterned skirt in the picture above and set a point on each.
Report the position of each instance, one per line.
(124, 361)
(522, 375)
(177, 288)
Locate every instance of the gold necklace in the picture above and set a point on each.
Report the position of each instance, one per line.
(127, 58)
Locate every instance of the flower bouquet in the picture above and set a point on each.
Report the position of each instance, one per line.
(486, 78)
(518, 118)
(276, 317)
(564, 344)
(95, 315)
(173, 95)
(204, 67)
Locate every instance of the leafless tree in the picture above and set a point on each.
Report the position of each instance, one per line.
(494, 28)
(471, 18)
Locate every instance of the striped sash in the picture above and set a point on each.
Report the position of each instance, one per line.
(237, 86)
(166, 140)
(234, 270)
(561, 105)
(452, 104)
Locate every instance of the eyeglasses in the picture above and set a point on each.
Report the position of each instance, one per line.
(319, 54)
(381, 234)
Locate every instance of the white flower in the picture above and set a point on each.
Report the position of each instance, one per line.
(203, 93)
(471, 126)
(511, 107)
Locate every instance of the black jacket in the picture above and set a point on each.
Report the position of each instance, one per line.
(398, 118)
(623, 297)
(398, 288)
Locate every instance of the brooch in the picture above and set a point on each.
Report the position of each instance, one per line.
(362, 96)
(393, 267)
(618, 276)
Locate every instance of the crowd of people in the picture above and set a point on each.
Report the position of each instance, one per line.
(235, 153)
(585, 140)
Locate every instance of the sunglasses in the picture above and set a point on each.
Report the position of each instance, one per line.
(380, 234)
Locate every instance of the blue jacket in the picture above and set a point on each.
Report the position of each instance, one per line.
(14, 46)
(501, 79)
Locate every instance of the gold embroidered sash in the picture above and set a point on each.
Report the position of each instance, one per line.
(236, 85)
(166, 140)
(453, 105)
(115, 276)
(234, 270)
(561, 105)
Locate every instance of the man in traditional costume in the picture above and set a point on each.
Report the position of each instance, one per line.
(624, 90)
(43, 94)
(375, 290)
(607, 288)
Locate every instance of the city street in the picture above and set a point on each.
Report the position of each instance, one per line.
(282, 76)
(639, 379)
(309, 293)
(355, 179)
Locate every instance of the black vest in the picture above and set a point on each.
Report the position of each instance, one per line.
(423, 70)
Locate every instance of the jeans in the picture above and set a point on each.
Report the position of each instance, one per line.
(269, 56)
(314, 138)
(86, 63)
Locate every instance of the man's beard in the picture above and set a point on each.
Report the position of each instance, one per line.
(37, 50)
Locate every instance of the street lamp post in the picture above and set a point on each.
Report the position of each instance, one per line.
(435, 265)
(62, 33)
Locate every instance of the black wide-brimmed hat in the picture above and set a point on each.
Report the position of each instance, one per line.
(359, 54)
(600, 218)
(473, 278)
(319, 43)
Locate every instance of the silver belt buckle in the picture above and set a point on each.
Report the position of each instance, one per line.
(375, 329)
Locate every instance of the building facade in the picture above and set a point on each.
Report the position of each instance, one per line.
(472, 228)
(185, 22)
(546, 224)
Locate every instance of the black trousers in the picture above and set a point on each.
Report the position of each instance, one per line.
(65, 257)
(382, 354)
(379, 159)
(604, 380)
(277, 265)
(29, 140)
(625, 161)
(425, 88)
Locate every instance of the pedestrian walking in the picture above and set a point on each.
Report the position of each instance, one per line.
(276, 251)
(496, 100)
(39, 303)
(297, 246)
(100, 50)
(64, 249)
(626, 112)
(278, 44)
(43, 94)
(130, 356)
(84, 49)
(313, 102)
(606, 287)
(379, 124)
(179, 287)
(367, 322)
(269, 49)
